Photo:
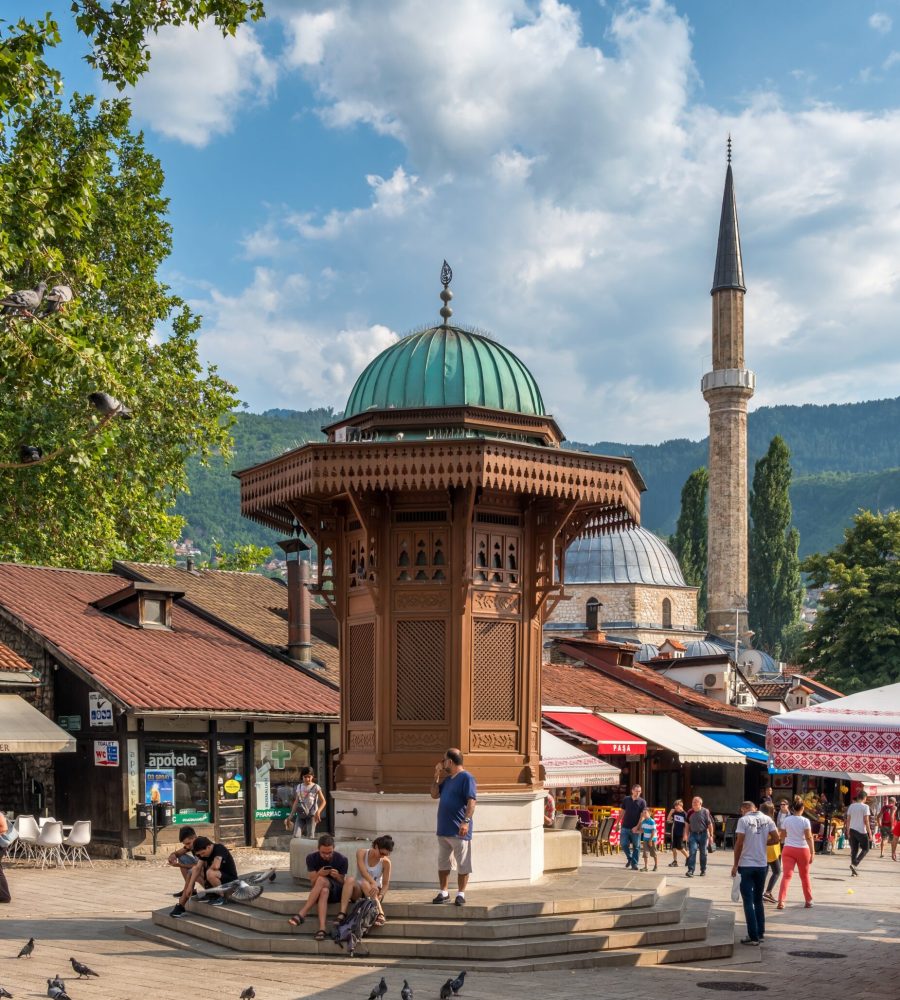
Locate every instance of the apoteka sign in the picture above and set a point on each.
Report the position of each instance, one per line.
(171, 759)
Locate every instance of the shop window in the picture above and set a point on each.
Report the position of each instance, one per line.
(666, 613)
(178, 772)
(277, 765)
(708, 775)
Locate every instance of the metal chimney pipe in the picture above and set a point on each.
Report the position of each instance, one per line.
(299, 644)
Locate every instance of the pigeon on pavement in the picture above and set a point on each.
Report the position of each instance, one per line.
(107, 405)
(55, 993)
(56, 981)
(27, 949)
(457, 984)
(5, 993)
(378, 991)
(82, 969)
(30, 453)
(406, 992)
(57, 299)
(248, 994)
(446, 991)
(24, 300)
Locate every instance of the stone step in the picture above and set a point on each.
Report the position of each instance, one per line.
(221, 925)
(719, 943)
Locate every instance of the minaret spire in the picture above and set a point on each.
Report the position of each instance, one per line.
(727, 390)
(729, 271)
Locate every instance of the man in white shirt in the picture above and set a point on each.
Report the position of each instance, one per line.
(859, 827)
(753, 834)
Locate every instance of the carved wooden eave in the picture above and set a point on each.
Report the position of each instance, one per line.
(604, 492)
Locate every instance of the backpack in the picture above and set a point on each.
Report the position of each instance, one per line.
(887, 816)
(356, 925)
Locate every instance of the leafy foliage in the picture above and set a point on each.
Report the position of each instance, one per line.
(775, 588)
(855, 640)
(689, 543)
(81, 203)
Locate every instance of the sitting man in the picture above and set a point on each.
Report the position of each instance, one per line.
(183, 857)
(215, 867)
(327, 870)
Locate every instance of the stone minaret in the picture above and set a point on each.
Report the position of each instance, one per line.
(727, 389)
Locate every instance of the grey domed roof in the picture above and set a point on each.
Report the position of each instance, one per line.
(647, 652)
(632, 556)
(703, 647)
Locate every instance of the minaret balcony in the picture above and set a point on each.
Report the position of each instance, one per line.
(728, 378)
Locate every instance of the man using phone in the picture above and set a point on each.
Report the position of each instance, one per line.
(327, 870)
(456, 789)
(183, 857)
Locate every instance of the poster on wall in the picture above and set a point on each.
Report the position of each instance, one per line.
(106, 753)
(159, 785)
(101, 711)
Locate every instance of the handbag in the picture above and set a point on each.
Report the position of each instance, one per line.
(773, 852)
(736, 888)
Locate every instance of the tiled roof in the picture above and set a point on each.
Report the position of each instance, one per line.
(664, 689)
(195, 666)
(11, 662)
(770, 689)
(254, 604)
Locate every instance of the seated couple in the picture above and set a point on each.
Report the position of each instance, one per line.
(331, 883)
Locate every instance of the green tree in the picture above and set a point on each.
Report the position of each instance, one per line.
(689, 543)
(854, 643)
(81, 203)
(776, 591)
(242, 558)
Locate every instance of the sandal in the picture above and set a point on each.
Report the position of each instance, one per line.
(340, 918)
(380, 921)
(320, 936)
(296, 921)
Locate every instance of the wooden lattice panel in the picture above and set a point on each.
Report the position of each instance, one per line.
(494, 671)
(361, 672)
(421, 658)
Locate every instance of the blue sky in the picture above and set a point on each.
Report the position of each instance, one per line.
(567, 159)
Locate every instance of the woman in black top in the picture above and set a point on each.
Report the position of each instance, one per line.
(678, 819)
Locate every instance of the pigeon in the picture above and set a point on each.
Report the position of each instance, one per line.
(248, 994)
(457, 984)
(29, 453)
(57, 299)
(379, 991)
(109, 405)
(5, 993)
(55, 993)
(406, 992)
(27, 949)
(56, 981)
(24, 300)
(82, 969)
(446, 991)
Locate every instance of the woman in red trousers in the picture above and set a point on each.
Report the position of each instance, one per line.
(796, 852)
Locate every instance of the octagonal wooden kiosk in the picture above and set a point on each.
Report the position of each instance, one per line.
(441, 506)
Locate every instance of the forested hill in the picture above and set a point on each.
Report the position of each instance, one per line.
(845, 456)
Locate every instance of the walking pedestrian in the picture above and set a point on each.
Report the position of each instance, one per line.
(648, 838)
(630, 813)
(5, 896)
(678, 819)
(886, 820)
(859, 825)
(797, 849)
(308, 806)
(784, 810)
(456, 789)
(895, 838)
(753, 833)
(702, 832)
(773, 856)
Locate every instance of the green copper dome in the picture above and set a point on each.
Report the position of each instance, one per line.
(446, 366)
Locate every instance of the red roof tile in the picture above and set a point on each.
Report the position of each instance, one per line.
(195, 666)
(11, 661)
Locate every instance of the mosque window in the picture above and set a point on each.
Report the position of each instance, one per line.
(592, 612)
(666, 613)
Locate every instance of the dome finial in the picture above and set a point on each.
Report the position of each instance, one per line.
(729, 147)
(446, 294)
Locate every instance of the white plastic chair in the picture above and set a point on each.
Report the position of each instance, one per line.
(44, 820)
(50, 844)
(77, 841)
(25, 845)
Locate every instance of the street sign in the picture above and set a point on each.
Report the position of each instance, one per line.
(106, 753)
(101, 710)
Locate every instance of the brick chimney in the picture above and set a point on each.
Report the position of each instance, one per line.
(299, 644)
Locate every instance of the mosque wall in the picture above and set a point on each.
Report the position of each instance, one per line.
(629, 603)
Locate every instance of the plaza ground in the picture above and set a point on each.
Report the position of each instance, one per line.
(84, 913)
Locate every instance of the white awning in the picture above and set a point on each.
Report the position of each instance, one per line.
(692, 747)
(23, 729)
(568, 767)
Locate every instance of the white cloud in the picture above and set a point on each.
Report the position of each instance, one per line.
(198, 81)
(882, 23)
(575, 189)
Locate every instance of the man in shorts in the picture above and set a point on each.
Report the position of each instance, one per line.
(327, 869)
(183, 857)
(456, 789)
(215, 867)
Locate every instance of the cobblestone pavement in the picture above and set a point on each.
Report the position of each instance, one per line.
(83, 913)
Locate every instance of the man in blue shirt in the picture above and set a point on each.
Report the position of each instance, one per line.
(457, 791)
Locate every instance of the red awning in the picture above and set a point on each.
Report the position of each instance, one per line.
(610, 739)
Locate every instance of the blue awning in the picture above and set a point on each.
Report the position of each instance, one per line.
(741, 743)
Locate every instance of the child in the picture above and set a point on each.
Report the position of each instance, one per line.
(647, 830)
(678, 818)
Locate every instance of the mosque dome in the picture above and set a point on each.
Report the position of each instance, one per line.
(446, 366)
(703, 647)
(630, 556)
(647, 652)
